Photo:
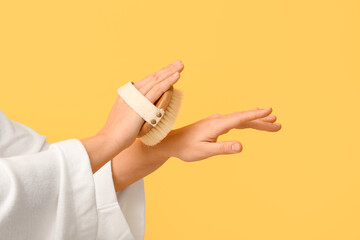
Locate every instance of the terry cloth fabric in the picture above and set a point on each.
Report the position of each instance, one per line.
(48, 191)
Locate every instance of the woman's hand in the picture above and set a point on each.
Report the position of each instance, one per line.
(190, 143)
(123, 123)
(198, 140)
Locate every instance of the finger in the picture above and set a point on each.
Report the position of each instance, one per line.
(235, 114)
(169, 70)
(227, 147)
(229, 115)
(238, 119)
(159, 89)
(271, 118)
(264, 126)
(251, 115)
(139, 85)
(146, 84)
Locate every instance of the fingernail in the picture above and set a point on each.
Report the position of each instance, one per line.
(177, 61)
(235, 147)
(176, 74)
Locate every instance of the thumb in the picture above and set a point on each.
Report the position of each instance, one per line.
(228, 147)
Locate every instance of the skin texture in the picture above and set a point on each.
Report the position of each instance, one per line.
(123, 124)
(194, 142)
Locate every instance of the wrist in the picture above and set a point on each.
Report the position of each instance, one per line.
(156, 154)
(136, 162)
(100, 150)
(115, 142)
(166, 148)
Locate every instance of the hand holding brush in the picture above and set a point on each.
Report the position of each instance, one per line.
(125, 122)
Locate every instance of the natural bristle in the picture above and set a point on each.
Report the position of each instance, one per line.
(161, 130)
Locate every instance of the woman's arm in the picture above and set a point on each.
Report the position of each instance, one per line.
(136, 162)
(190, 143)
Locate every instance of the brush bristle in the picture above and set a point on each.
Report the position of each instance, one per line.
(161, 130)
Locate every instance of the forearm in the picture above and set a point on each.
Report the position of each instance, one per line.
(136, 162)
(101, 149)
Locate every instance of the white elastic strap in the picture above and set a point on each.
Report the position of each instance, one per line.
(140, 104)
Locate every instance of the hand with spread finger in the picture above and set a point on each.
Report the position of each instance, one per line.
(190, 143)
(199, 140)
(123, 123)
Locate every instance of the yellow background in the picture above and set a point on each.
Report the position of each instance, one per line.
(62, 61)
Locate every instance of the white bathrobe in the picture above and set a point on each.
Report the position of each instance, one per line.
(48, 191)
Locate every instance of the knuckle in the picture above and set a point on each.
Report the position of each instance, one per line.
(155, 76)
(211, 124)
(214, 116)
(160, 89)
(172, 68)
(165, 71)
(158, 79)
(175, 76)
(223, 148)
(206, 122)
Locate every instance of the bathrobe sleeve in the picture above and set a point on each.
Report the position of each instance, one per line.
(64, 200)
(121, 215)
(48, 195)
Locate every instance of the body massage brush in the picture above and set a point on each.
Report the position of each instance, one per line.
(159, 117)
